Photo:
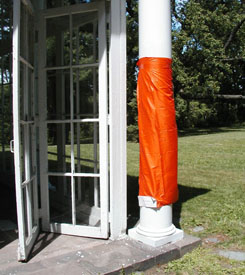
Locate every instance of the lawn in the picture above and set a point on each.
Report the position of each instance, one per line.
(211, 177)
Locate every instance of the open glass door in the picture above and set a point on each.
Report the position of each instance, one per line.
(24, 114)
(73, 108)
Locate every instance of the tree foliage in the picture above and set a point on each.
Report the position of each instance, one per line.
(208, 60)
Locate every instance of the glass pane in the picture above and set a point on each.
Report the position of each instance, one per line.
(22, 153)
(58, 41)
(56, 4)
(86, 147)
(59, 148)
(26, 93)
(23, 31)
(22, 90)
(30, 149)
(32, 187)
(25, 211)
(58, 94)
(60, 199)
(86, 93)
(85, 38)
(30, 38)
(30, 96)
(26, 34)
(87, 201)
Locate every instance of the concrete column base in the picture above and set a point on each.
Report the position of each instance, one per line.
(156, 241)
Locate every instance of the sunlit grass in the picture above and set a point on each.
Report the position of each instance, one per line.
(211, 177)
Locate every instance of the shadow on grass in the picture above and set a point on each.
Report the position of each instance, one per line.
(185, 193)
(208, 131)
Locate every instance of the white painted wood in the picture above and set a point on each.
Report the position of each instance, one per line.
(117, 71)
(103, 113)
(154, 28)
(26, 182)
(30, 241)
(27, 162)
(42, 100)
(102, 231)
(73, 195)
(77, 66)
(24, 61)
(95, 133)
(29, 122)
(69, 229)
(55, 121)
(79, 191)
(82, 175)
(22, 253)
(25, 243)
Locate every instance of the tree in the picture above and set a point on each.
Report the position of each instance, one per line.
(208, 60)
(132, 53)
(208, 52)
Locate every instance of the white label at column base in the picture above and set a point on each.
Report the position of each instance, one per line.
(147, 201)
(155, 242)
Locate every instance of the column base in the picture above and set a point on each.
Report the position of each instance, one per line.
(156, 241)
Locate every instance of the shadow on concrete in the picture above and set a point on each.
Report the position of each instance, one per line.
(43, 240)
(7, 237)
(185, 193)
(8, 217)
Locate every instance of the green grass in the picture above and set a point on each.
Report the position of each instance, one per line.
(211, 177)
(215, 162)
(202, 261)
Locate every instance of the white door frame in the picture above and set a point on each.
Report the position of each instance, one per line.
(25, 168)
(116, 120)
(73, 229)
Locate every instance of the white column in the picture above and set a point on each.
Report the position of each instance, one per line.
(155, 227)
(155, 29)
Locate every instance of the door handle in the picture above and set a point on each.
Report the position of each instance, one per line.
(11, 146)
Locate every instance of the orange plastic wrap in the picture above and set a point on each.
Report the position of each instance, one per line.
(157, 131)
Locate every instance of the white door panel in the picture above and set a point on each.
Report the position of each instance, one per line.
(24, 128)
(74, 129)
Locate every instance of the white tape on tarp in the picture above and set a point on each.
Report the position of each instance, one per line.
(147, 201)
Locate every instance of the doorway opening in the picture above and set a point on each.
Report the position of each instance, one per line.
(65, 94)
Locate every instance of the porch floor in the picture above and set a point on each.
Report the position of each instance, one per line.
(62, 254)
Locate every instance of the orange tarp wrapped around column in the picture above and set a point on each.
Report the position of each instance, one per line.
(157, 131)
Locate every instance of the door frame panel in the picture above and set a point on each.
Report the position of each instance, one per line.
(79, 230)
(28, 201)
